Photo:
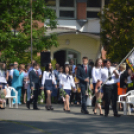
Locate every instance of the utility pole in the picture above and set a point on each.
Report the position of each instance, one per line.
(31, 36)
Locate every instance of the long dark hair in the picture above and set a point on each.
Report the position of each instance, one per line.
(47, 67)
(69, 69)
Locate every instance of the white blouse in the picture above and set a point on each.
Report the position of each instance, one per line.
(96, 74)
(118, 79)
(3, 77)
(67, 81)
(104, 75)
(60, 76)
(48, 76)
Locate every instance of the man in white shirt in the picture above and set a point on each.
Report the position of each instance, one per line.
(110, 87)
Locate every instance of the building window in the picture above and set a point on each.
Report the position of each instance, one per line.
(51, 3)
(93, 8)
(67, 14)
(107, 2)
(92, 14)
(64, 8)
(93, 3)
(66, 3)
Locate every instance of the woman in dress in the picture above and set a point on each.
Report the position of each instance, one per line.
(48, 81)
(67, 82)
(96, 75)
(3, 83)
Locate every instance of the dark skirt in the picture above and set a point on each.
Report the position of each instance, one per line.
(48, 85)
(54, 91)
(3, 85)
(68, 91)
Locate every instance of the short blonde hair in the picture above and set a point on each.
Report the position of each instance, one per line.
(22, 66)
(123, 66)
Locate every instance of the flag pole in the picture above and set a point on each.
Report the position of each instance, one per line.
(117, 68)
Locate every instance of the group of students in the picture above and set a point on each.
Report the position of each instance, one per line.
(33, 80)
(68, 81)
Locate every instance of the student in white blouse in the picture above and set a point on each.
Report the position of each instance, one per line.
(48, 81)
(96, 75)
(67, 83)
(110, 87)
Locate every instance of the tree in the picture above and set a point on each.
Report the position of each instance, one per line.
(15, 34)
(117, 23)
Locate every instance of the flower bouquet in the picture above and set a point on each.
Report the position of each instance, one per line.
(63, 93)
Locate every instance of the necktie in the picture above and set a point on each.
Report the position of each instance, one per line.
(37, 73)
(50, 75)
(86, 69)
(109, 74)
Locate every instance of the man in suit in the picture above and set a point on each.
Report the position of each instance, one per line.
(84, 75)
(34, 85)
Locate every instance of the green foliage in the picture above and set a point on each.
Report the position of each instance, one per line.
(117, 23)
(15, 29)
(53, 62)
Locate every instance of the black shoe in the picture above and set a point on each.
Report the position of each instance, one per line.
(106, 115)
(51, 108)
(84, 111)
(36, 108)
(68, 111)
(101, 114)
(47, 108)
(28, 104)
(2, 107)
(117, 115)
(95, 113)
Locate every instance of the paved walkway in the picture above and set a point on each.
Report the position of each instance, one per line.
(23, 121)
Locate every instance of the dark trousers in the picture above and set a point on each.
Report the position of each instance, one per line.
(35, 96)
(84, 99)
(78, 97)
(75, 96)
(110, 93)
(72, 96)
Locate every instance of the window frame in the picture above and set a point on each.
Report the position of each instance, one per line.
(57, 8)
(96, 9)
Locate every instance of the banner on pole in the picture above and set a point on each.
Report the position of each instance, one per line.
(130, 61)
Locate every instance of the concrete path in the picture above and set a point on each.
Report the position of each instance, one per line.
(23, 121)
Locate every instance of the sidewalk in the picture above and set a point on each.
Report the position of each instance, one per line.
(23, 121)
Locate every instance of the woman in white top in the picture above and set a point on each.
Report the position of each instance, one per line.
(48, 81)
(67, 83)
(3, 83)
(96, 75)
